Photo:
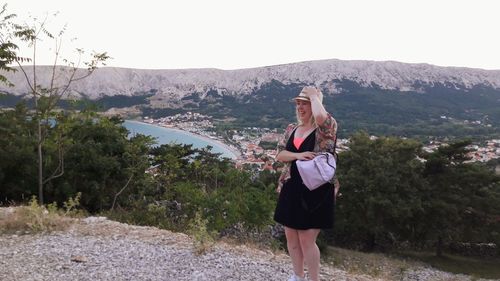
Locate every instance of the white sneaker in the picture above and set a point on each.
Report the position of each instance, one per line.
(296, 278)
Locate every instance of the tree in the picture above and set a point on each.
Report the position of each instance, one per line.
(102, 163)
(172, 160)
(481, 215)
(17, 174)
(380, 185)
(8, 50)
(462, 200)
(197, 181)
(46, 96)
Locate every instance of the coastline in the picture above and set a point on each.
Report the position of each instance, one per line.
(215, 142)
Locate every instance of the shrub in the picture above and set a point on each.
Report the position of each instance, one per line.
(35, 218)
(203, 238)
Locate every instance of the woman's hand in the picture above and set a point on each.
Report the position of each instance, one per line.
(310, 91)
(336, 193)
(308, 155)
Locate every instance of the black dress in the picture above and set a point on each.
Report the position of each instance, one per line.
(298, 207)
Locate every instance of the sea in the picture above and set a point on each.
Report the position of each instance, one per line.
(166, 136)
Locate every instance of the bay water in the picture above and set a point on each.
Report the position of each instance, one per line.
(166, 135)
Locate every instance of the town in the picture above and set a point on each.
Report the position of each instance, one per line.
(256, 147)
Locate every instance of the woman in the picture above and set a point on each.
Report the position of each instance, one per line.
(303, 212)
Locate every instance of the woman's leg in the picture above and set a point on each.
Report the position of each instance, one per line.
(310, 251)
(295, 251)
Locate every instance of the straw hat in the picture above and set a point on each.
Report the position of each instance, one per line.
(302, 96)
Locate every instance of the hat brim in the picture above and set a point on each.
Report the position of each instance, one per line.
(301, 98)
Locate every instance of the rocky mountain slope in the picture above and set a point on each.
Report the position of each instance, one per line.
(383, 98)
(175, 84)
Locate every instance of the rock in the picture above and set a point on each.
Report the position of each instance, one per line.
(78, 259)
(90, 220)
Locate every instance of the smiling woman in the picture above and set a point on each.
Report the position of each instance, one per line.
(301, 211)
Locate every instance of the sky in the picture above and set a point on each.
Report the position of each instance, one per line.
(235, 34)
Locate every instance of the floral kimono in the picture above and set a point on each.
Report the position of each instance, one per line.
(326, 135)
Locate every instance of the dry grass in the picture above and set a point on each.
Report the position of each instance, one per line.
(377, 265)
(33, 218)
(474, 266)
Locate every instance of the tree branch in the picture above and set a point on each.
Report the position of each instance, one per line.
(60, 166)
(119, 192)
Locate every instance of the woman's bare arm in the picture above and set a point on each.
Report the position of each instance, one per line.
(318, 110)
(287, 156)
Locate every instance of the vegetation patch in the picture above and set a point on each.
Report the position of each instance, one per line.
(35, 218)
(374, 264)
(476, 267)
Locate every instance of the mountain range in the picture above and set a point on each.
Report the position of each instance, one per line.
(380, 97)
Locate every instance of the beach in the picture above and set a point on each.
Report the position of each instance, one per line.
(214, 142)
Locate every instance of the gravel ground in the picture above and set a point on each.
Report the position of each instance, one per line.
(99, 249)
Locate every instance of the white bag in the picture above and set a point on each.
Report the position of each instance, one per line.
(318, 171)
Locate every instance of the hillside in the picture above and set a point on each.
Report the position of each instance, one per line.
(178, 83)
(390, 98)
(96, 248)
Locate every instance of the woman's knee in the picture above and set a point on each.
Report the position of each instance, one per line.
(307, 238)
(292, 237)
